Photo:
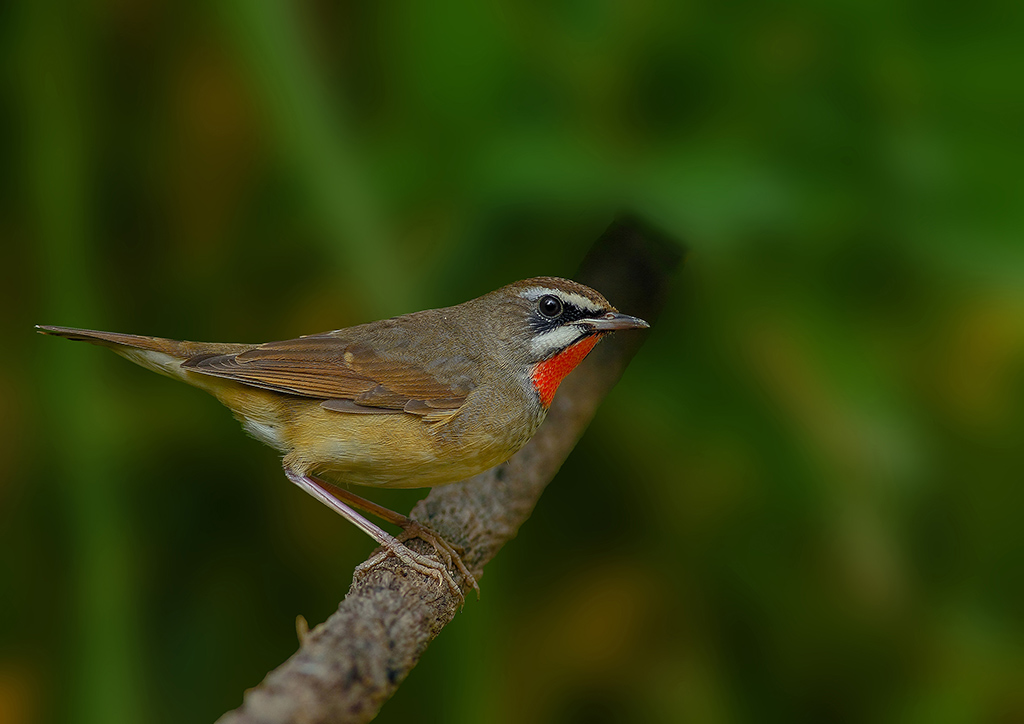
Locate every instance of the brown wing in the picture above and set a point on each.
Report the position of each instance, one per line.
(348, 376)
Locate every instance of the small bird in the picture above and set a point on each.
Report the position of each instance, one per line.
(419, 400)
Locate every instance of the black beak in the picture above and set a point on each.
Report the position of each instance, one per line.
(613, 321)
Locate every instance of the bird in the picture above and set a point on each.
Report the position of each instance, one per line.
(418, 400)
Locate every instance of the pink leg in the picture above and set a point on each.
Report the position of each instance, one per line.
(410, 529)
(416, 561)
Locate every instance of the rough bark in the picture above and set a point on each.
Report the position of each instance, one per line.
(348, 666)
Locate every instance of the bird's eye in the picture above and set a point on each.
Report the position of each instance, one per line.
(550, 306)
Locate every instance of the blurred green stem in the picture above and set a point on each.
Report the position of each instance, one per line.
(317, 143)
(104, 662)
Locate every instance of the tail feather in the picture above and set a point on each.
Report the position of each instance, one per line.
(117, 339)
(154, 353)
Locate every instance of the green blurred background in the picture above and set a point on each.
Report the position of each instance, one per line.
(803, 502)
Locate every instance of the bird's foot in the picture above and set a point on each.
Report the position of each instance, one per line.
(416, 561)
(329, 495)
(451, 554)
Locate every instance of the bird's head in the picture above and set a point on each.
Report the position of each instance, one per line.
(550, 324)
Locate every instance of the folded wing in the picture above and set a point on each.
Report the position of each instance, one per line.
(348, 376)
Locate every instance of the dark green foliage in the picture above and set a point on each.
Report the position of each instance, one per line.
(802, 503)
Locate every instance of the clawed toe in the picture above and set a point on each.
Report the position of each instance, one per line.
(449, 552)
(416, 561)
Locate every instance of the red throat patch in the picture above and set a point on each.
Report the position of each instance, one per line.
(549, 374)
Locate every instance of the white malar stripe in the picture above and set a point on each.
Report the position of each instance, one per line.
(577, 300)
(555, 339)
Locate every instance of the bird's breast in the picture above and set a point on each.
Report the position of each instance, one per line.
(397, 449)
(401, 450)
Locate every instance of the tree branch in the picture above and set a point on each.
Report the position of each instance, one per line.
(347, 667)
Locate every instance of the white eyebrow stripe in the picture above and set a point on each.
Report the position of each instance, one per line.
(555, 339)
(577, 300)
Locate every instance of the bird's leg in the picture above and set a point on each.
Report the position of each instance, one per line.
(416, 561)
(410, 529)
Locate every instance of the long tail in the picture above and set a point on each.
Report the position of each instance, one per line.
(154, 353)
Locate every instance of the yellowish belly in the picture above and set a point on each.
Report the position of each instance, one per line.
(386, 450)
(394, 451)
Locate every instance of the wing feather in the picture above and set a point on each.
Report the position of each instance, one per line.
(349, 376)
